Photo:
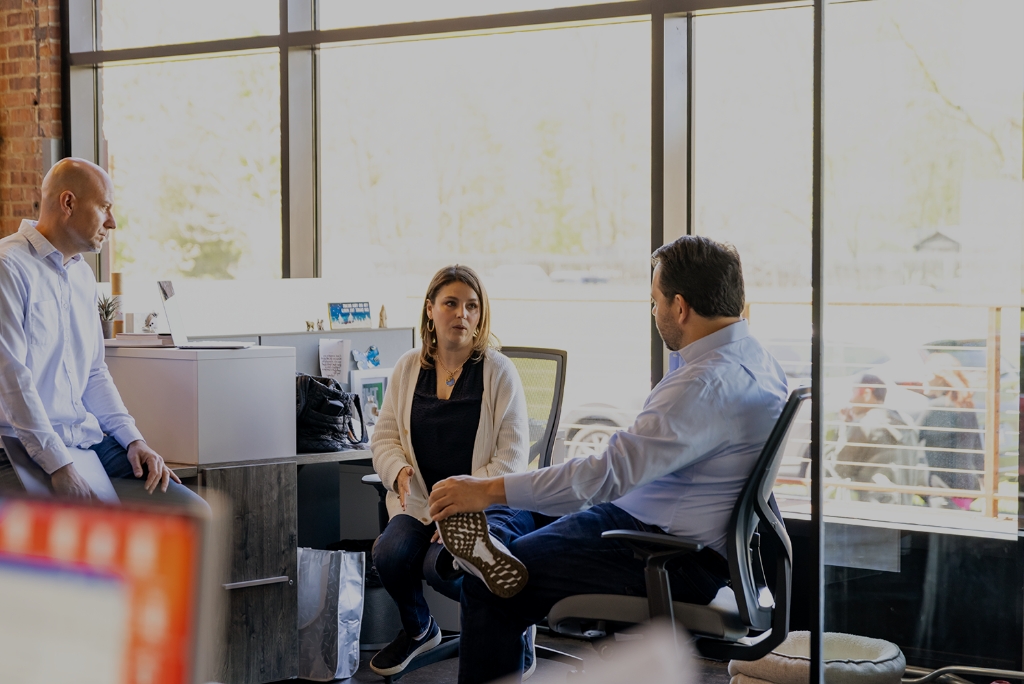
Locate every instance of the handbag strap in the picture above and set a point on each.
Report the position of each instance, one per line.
(364, 438)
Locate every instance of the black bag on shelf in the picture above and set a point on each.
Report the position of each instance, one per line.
(326, 416)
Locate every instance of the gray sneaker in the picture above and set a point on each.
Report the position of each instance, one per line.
(467, 537)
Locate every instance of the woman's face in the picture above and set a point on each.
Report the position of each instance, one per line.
(456, 314)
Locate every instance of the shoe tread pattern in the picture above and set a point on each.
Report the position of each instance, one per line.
(460, 533)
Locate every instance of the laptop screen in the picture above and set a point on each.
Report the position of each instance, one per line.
(174, 324)
(92, 593)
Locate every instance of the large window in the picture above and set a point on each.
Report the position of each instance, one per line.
(193, 147)
(524, 155)
(371, 143)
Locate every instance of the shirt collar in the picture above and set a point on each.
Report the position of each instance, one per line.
(728, 334)
(42, 246)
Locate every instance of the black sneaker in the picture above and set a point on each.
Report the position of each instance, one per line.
(468, 538)
(396, 656)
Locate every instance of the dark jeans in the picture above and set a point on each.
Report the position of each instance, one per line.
(565, 558)
(401, 551)
(114, 458)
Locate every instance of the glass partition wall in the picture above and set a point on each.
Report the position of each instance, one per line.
(369, 145)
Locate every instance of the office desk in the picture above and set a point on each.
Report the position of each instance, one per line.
(262, 638)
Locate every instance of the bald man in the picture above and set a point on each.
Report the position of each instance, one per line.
(56, 394)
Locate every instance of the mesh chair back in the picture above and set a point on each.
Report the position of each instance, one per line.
(542, 372)
(756, 505)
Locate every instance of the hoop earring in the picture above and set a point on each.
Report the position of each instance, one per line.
(430, 325)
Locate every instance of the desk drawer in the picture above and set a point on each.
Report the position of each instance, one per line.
(262, 639)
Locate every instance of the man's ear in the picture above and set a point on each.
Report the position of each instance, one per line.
(683, 310)
(67, 202)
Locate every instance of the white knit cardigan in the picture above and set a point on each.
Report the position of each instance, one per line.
(502, 437)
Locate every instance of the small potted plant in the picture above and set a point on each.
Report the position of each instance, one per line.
(108, 308)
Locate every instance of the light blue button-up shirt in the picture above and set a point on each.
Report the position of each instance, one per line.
(55, 390)
(683, 462)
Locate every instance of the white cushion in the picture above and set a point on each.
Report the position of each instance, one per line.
(849, 659)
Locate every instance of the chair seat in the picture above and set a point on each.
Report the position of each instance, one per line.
(719, 619)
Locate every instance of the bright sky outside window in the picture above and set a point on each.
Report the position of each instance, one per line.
(134, 23)
(350, 13)
(193, 147)
(525, 156)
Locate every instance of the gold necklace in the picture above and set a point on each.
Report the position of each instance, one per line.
(450, 380)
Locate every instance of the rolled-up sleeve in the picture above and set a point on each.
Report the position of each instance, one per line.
(669, 434)
(19, 399)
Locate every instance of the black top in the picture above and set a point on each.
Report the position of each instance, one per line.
(443, 431)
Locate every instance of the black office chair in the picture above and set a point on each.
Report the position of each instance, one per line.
(746, 620)
(542, 374)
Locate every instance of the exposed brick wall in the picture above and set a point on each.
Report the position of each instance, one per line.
(29, 102)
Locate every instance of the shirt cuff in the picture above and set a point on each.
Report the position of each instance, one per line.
(126, 435)
(519, 491)
(53, 460)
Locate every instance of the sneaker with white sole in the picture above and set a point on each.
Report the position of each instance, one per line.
(467, 537)
(397, 655)
(530, 657)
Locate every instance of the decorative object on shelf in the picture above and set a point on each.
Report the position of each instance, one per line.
(115, 290)
(310, 325)
(150, 326)
(383, 320)
(368, 359)
(369, 385)
(108, 307)
(348, 315)
(320, 324)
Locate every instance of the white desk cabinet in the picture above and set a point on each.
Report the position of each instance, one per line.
(207, 406)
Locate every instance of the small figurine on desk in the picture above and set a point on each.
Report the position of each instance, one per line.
(383, 322)
(319, 324)
(309, 326)
(150, 326)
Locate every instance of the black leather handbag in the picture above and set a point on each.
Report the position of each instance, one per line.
(327, 418)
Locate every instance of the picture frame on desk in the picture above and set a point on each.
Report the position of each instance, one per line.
(369, 385)
(349, 315)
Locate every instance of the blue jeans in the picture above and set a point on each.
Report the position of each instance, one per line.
(114, 458)
(401, 550)
(565, 558)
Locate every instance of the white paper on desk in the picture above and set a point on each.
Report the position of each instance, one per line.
(334, 359)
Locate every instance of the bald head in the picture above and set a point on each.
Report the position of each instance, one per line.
(80, 177)
(76, 209)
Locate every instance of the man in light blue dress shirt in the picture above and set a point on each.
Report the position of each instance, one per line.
(56, 394)
(678, 469)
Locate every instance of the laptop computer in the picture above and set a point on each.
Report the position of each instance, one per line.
(117, 593)
(36, 481)
(177, 330)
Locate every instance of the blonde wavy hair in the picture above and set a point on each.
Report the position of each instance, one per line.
(483, 340)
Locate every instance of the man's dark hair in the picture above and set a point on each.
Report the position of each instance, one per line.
(875, 384)
(706, 273)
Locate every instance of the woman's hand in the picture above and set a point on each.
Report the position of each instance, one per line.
(402, 484)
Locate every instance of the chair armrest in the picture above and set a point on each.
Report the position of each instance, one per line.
(654, 541)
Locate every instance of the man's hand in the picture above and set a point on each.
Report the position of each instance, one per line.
(465, 494)
(402, 484)
(139, 454)
(67, 482)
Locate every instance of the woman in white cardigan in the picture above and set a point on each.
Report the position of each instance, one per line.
(453, 407)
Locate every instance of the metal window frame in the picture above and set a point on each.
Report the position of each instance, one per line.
(298, 43)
